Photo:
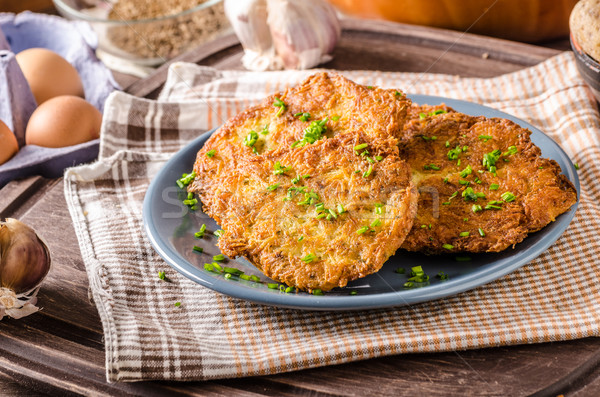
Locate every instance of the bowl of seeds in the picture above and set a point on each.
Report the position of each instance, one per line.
(149, 32)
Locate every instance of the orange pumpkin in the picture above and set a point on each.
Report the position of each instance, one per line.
(522, 20)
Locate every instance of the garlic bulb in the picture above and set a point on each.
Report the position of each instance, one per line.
(24, 263)
(291, 34)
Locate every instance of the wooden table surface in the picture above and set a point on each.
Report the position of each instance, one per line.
(60, 350)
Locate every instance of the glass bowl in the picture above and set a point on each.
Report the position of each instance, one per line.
(150, 41)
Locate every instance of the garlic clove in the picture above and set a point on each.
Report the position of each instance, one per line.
(249, 21)
(284, 33)
(304, 33)
(24, 257)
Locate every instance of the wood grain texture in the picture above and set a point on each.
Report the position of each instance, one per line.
(60, 351)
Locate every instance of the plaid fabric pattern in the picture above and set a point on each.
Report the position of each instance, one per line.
(555, 297)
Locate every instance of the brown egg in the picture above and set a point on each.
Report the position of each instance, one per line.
(48, 74)
(8, 143)
(63, 121)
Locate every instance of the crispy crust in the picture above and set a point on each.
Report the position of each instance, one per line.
(266, 225)
(542, 193)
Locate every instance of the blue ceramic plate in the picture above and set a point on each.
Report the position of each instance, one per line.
(170, 227)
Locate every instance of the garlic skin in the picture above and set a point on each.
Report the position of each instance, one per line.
(290, 34)
(249, 21)
(304, 33)
(24, 263)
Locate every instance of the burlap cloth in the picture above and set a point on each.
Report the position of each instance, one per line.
(555, 297)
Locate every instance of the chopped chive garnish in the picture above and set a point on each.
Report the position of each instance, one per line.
(431, 167)
(232, 270)
(485, 138)
(209, 267)
(376, 222)
(198, 249)
(408, 284)
(448, 246)
(481, 232)
(576, 165)
(309, 258)
(282, 107)
(217, 266)
(462, 258)
(289, 289)
(303, 116)
(445, 180)
(368, 172)
(300, 238)
(378, 158)
(211, 153)
(218, 232)
(317, 292)
(362, 230)
(272, 285)
(446, 203)
(442, 276)
(161, 275)
(423, 226)
(227, 275)
(469, 194)
(335, 118)
(185, 180)
(200, 232)
(280, 169)
(492, 207)
(434, 138)
(464, 182)
(354, 292)
(510, 151)
(453, 153)
(361, 146)
(422, 116)
(273, 187)
(255, 278)
(447, 143)
(466, 219)
(467, 171)
(378, 208)
(250, 139)
(400, 270)
(340, 209)
(245, 277)
(508, 197)
(219, 258)
(312, 133)
(177, 304)
(476, 208)
(489, 160)
(464, 234)
(397, 94)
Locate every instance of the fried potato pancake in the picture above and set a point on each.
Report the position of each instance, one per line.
(345, 105)
(318, 197)
(483, 184)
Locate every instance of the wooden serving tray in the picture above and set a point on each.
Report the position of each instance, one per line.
(60, 350)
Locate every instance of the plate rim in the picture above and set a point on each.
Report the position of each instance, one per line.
(304, 301)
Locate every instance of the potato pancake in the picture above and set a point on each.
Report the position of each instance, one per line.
(308, 185)
(483, 184)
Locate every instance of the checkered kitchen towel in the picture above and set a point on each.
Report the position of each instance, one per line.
(555, 297)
